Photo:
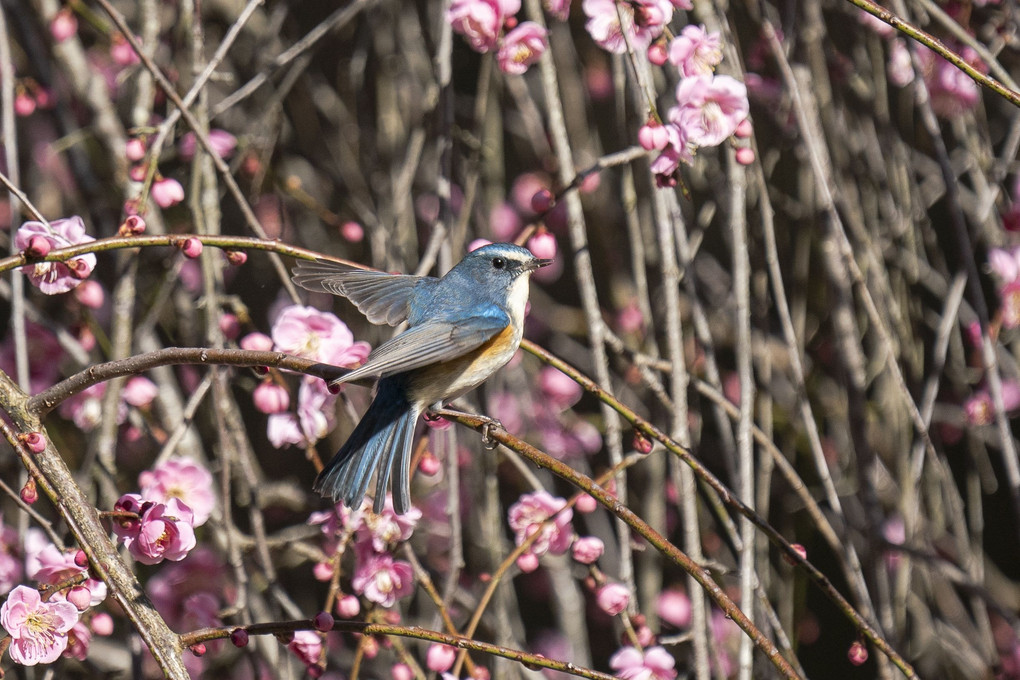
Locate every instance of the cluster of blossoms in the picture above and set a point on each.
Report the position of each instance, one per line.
(492, 25)
(304, 332)
(159, 523)
(45, 624)
(37, 239)
(709, 108)
(951, 91)
(377, 576)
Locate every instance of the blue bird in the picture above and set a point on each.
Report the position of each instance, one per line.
(461, 329)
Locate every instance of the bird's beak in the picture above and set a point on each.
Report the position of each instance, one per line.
(537, 264)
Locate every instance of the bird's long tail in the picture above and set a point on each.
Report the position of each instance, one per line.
(379, 443)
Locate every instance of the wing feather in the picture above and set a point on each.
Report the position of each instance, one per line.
(381, 297)
(430, 343)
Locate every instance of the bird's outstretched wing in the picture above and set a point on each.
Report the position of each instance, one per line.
(430, 343)
(381, 297)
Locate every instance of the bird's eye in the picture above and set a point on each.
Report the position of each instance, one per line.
(498, 263)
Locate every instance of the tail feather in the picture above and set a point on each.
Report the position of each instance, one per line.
(380, 442)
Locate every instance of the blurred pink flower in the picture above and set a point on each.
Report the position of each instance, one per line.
(184, 479)
(641, 20)
(480, 21)
(655, 663)
(530, 511)
(695, 51)
(504, 222)
(222, 142)
(952, 91)
(121, 51)
(522, 47)
(163, 531)
(307, 332)
(587, 549)
(613, 598)
(559, 390)
(1010, 308)
(57, 277)
(44, 356)
(440, 658)
(38, 629)
(1005, 264)
(90, 294)
(270, 397)
(257, 342)
(85, 408)
(709, 108)
(174, 587)
(900, 66)
(10, 565)
(306, 646)
(543, 244)
(134, 149)
(979, 407)
(78, 640)
(558, 9)
(166, 192)
(383, 580)
(674, 607)
(64, 25)
(139, 391)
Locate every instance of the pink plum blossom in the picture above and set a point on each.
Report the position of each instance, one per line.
(167, 192)
(222, 142)
(558, 9)
(385, 529)
(64, 25)
(257, 342)
(979, 407)
(900, 66)
(695, 51)
(162, 531)
(674, 607)
(655, 663)
(382, 579)
(440, 658)
(560, 391)
(618, 26)
(270, 397)
(314, 418)
(480, 21)
(38, 629)
(678, 150)
(613, 598)
(587, 549)
(527, 515)
(57, 277)
(709, 108)
(306, 646)
(139, 391)
(1005, 264)
(78, 640)
(184, 479)
(309, 333)
(121, 51)
(52, 566)
(522, 47)
(952, 91)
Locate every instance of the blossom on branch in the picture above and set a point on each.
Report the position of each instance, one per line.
(56, 277)
(38, 629)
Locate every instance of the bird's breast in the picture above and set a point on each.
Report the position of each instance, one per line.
(450, 379)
